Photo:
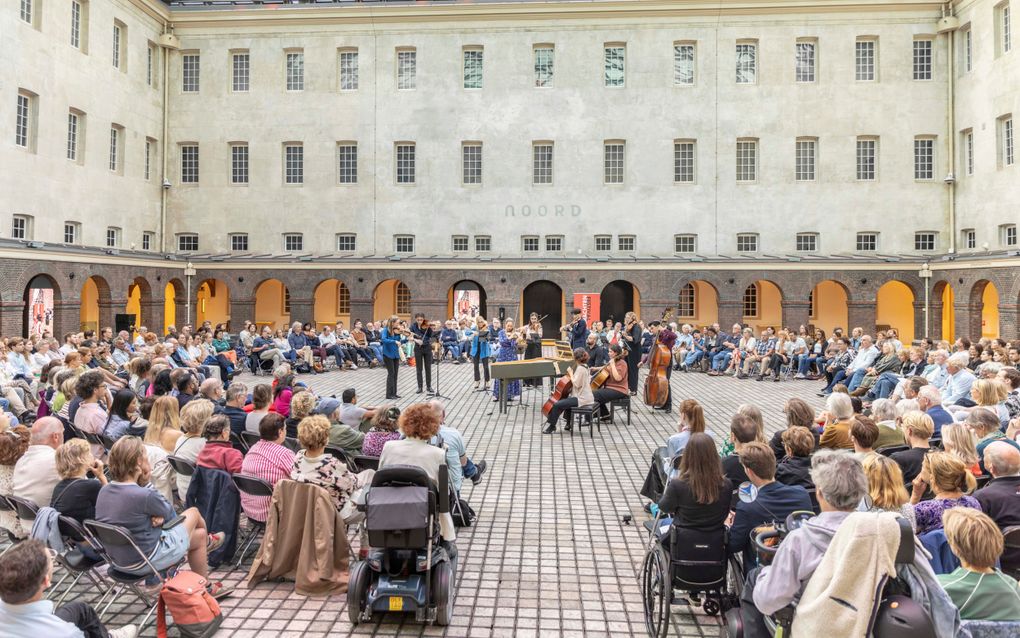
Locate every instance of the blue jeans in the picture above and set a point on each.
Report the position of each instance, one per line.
(377, 351)
(837, 378)
(470, 469)
(884, 385)
(856, 379)
(694, 357)
(722, 360)
(452, 348)
(290, 355)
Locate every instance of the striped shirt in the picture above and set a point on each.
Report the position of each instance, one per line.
(271, 463)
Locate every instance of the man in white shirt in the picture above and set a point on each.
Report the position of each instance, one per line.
(956, 391)
(35, 473)
(859, 366)
(71, 342)
(140, 338)
(121, 355)
(18, 360)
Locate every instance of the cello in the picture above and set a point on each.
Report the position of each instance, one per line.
(656, 383)
(562, 390)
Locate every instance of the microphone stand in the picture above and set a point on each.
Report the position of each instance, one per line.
(438, 394)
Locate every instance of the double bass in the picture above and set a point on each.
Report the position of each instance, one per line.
(656, 383)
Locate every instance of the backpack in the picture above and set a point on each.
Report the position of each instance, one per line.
(195, 612)
(463, 516)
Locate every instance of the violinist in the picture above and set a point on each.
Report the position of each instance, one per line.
(666, 336)
(392, 337)
(577, 330)
(630, 337)
(480, 352)
(616, 385)
(580, 391)
(423, 335)
(533, 346)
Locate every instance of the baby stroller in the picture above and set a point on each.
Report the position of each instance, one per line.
(409, 568)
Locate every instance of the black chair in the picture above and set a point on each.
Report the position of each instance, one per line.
(23, 507)
(75, 560)
(5, 506)
(238, 442)
(362, 463)
(935, 443)
(255, 487)
(292, 444)
(814, 501)
(93, 438)
(982, 481)
(1011, 536)
(342, 454)
(586, 416)
(250, 439)
(183, 467)
(623, 403)
(889, 450)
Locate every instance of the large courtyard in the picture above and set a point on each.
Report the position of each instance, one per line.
(550, 553)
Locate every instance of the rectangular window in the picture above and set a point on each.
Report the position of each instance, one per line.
(293, 242)
(23, 121)
(603, 243)
(867, 159)
(544, 58)
(924, 241)
(147, 168)
(21, 227)
(747, 160)
(150, 64)
(968, 48)
(239, 163)
(72, 136)
(187, 243)
(867, 242)
(1006, 156)
(189, 163)
(148, 239)
(625, 243)
(76, 24)
(529, 244)
(346, 242)
(112, 237)
(295, 71)
(347, 162)
(865, 59)
(750, 305)
(685, 244)
(924, 158)
(473, 68)
(968, 237)
(807, 242)
(683, 63)
(460, 243)
(293, 164)
(190, 72)
(241, 64)
(683, 161)
(404, 244)
(967, 148)
(806, 151)
(747, 62)
(1007, 235)
(1003, 30)
(72, 230)
(116, 144)
(471, 159)
(687, 301)
(348, 69)
(407, 69)
(239, 242)
(747, 243)
(26, 11)
(615, 64)
(922, 59)
(405, 163)
(483, 243)
(117, 33)
(805, 70)
(553, 243)
(612, 158)
(542, 163)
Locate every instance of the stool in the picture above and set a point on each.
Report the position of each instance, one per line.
(624, 403)
(586, 414)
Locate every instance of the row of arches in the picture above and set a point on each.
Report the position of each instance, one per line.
(697, 302)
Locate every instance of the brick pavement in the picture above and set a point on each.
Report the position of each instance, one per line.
(550, 554)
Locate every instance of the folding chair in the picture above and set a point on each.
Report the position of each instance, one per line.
(238, 442)
(250, 439)
(5, 506)
(75, 561)
(129, 576)
(362, 462)
(342, 454)
(252, 486)
(292, 444)
(23, 507)
(181, 466)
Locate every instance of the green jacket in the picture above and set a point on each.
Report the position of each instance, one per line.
(993, 596)
(346, 438)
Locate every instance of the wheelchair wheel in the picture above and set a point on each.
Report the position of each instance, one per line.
(357, 589)
(442, 591)
(657, 591)
(712, 606)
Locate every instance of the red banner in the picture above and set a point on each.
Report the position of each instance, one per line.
(589, 303)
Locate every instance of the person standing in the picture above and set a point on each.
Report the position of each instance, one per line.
(507, 352)
(391, 339)
(631, 337)
(480, 351)
(423, 336)
(533, 346)
(577, 330)
(665, 335)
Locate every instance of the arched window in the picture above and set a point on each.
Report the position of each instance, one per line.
(687, 303)
(751, 301)
(343, 299)
(403, 299)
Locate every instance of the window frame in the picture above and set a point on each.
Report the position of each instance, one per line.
(240, 71)
(614, 162)
(862, 161)
(406, 68)
(751, 302)
(190, 238)
(483, 243)
(343, 237)
(749, 46)
(235, 239)
(539, 66)
(866, 59)
(810, 242)
(920, 141)
(1008, 236)
(682, 238)
(294, 72)
(554, 243)
(806, 50)
(680, 155)
(679, 60)
(460, 243)
(687, 301)
(474, 52)
(621, 243)
(26, 230)
(189, 167)
(921, 236)
(293, 163)
(240, 164)
(608, 241)
(351, 80)
(1005, 134)
(116, 156)
(191, 71)
(806, 159)
(529, 240)
(405, 241)
(541, 166)
(293, 242)
(750, 144)
(113, 236)
(471, 167)
(746, 238)
(923, 58)
(613, 52)
(405, 157)
(75, 233)
(863, 235)
(347, 171)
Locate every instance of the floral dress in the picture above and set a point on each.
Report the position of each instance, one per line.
(929, 513)
(507, 352)
(327, 472)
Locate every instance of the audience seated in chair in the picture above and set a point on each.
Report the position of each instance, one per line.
(314, 465)
(978, 589)
(839, 414)
(35, 473)
(190, 444)
(699, 497)
(261, 399)
(218, 453)
(917, 428)
(233, 407)
(794, 468)
(950, 481)
(1000, 498)
(348, 438)
(268, 460)
(75, 495)
(743, 430)
(798, 414)
(13, 445)
(886, 489)
(460, 466)
(384, 428)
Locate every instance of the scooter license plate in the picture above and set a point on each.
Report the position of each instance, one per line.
(396, 603)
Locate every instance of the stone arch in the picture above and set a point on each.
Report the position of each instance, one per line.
(272, 304)
(139, 302)
(466, 297)
(391, 297)
(212, 302)
(173, 291)
(40, 296)
(944, 318)
(96, 304)
(545, 298)
(828, 305)
(618, 297)
(984, 309)
(331, 302)
(697, 303)
(894, 308)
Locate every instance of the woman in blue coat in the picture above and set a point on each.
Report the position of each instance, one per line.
(480, 351)
(507, 352)
(391, 338)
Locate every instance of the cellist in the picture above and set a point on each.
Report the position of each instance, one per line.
(665, 335)
(580, 391)
(616, 385)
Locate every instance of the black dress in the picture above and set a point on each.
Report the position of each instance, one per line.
(634, 357)
(533, 350)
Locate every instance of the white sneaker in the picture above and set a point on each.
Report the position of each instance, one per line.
(354, 367)
(127, 631)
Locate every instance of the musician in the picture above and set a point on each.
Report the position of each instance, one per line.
(631, 339)
(665, 335)
(577, 330)
(598, 354)
(480, 351)
(507, 352)
(423, 336)
(392, 338)
(580, 391)
(615, 386)
(533, 346)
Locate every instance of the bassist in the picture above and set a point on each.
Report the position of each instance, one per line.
(665, 335)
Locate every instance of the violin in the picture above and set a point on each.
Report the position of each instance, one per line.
(656, 390)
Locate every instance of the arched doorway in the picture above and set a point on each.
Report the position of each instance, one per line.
(943, 291)
(212, 302)
(272, 304)
(332, 303)
(985, 295)
(466, 298)
(763, 305)
(391, 297)
(894, 308)
(546, 299)
(827, 306)
(698, 303)
(94, 291)
(40, 295)
(139, 297)
(171, 291)
(617, 299)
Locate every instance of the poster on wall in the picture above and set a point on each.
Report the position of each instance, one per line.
(589, 303)
(40, 311)
(466, 303)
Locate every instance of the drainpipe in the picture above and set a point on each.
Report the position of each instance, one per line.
(168, 42)
(947, 25)
(925, 275)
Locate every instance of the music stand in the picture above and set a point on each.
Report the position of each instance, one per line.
(437, 394)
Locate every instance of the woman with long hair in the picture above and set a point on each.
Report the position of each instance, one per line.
(282, 395)
(507, 352)
(123, 418)
(533, 346)
(391, 338)
(885, 487)
(699, 497)
(952, 483)
(798, 414)
(164, 426)
(959, 440)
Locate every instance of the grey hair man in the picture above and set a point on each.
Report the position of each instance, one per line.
(957, 387)
(1000, 498)
(889, 432)
(35, 473)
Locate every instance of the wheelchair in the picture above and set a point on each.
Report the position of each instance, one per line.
(408, 568)
(693, 561)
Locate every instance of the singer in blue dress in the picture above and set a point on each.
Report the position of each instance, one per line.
(507, 352)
